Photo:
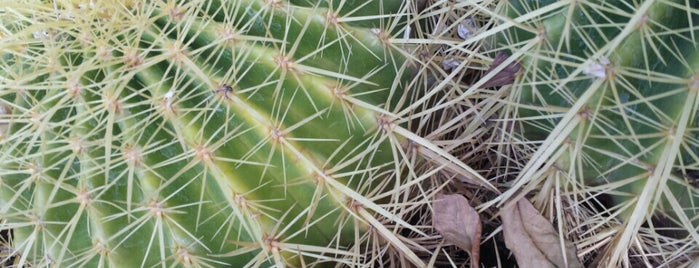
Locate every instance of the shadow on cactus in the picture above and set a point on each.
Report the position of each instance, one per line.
(607, 97)
(208, 133)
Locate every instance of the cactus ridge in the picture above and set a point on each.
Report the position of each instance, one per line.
(203, 133)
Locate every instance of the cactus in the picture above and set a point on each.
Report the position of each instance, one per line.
(606, 100)
(208, 133)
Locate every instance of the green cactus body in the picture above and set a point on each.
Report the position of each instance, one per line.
(609, 91)
(200, 133)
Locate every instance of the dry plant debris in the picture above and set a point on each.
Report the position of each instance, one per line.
(533, 240)
(459, 224)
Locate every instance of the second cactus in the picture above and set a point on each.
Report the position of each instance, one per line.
(608, 95)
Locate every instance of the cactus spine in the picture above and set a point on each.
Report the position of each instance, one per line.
(608, 93)
(204, 133)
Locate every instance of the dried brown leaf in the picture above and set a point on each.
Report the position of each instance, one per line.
(458, 223)
(504, 77)
(533, 240)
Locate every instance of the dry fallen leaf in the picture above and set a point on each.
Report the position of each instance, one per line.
(533, 240)
(506, 76)
(458, 223)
